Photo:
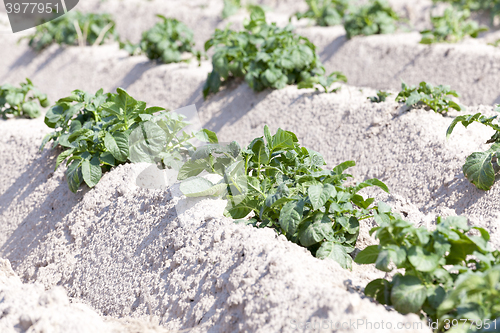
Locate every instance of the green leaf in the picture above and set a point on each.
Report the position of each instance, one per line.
(316, 230)
(74, 176)
(291, 216)
(207, 136)
(200, 187)
(320, 194)
(91, 171)
(145, 142)
(339, 169)
(117, 144)
(281, 140)
(424, 262)
(380, 290)
(191, 169)
(408, 294)
(367, 256)
(478, 168)
(242, 209)
(336, 252)
(62, 156)
(260, 150)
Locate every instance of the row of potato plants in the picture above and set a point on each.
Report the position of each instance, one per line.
(480, 168)
(276, 183)
(377, 17)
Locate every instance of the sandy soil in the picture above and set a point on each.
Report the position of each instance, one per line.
(120, 250)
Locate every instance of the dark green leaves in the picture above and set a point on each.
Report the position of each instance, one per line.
(430, 284)
(480, 168)
(72, 28)
(91, 171)
(166, 42)
(380, 290)
(408, 294)
(117, 144)
(25, 101)
(315, 230)
(381, 96)
(265, 56)
(290, 217)
(95, 129)
(368, 256)
(285, 187)
(334, 251)
(435, 98)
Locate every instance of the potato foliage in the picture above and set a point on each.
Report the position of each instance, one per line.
(284, 186)
(24, 101)
(450, 275)
(325, 12)
(74, 28)
(167, 41)
(490, 6)
(376, 17)
(452, 27)
(263, 54)
(481, 168)
(436, 98)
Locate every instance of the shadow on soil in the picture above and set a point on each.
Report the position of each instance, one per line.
(468, 194)
(46, 212)
(332, 48)
(235, 108)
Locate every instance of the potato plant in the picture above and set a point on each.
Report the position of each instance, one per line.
(376, 17)
(452, 27)
(425, 94)
(167, 41)
(93, 130)
(450, 273)
(74, 28)
(325, 12)
(480, 168)
(24, 101)
(490, 6)
(381, 97)
(263, 54)
(284, 186)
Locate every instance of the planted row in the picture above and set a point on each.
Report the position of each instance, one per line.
(377, 17)
(451, 275)
(266, 57)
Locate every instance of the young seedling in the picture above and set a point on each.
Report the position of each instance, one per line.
(264, 55)
(74, 28)
(325, 12)
(381, 96)
(22, 102)
(324, 81)
(285, 187)
(436, 266)
(435, 98)
(481, 168)
(452, 27)
(376, 17)
(167, 42)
